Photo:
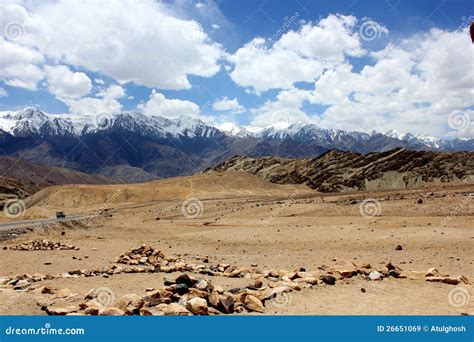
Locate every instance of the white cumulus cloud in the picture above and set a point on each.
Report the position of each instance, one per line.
(159, 105)
(129, 41)
(105, 101)
(297, 56)
(226, 104)
(20, 66)
(64, 83)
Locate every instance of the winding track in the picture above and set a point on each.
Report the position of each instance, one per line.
(17, 224)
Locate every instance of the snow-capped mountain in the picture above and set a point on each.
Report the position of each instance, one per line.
(123, 143)
(415, 139)
(32, 121)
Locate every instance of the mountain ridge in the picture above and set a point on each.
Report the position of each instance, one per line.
(137, 147)
(341, 171)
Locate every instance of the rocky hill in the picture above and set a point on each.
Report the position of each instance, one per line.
(337, 171)
(32, 177)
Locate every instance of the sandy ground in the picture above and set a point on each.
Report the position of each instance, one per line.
(249, 222)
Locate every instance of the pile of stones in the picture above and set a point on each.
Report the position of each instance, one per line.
(192, 294)
(43, 245)
(184, 295)
(143, 255)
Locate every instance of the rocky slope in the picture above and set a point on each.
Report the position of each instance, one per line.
(32, 177)
(337, 171)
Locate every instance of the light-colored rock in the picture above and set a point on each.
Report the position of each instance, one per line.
(214, 299)
(44, 301)
(345, 269)
(111, 312)
(61, 311)
(63, 293)
(374, 275)
(21, 285)
(219, 289)
(432, 272)
(175, 309)
(309, 280)
(151, 312)
(252, 303)
(202, 285)
(197, 306)
(124, 301)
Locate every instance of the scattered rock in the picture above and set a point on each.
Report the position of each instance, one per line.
(168, 281)
(328, 279)
(227, 303)
(48, 290)
(432, 272)
(61, 311)
(130, 302)
(197, 306)
(252, 303)
(202, 285)
(345, 269)
(185, 279)
(111, 312)
(182, 289)
(42, 245)
(214, 299)
(374, 275)
(448, 279)
(399, 248)
(151, 312)
(175, 309)
(143, 255)
(63, 293)
(21, 285)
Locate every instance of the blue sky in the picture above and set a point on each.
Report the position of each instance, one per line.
(220, 71)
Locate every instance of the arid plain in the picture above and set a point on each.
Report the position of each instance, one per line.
(280, 235)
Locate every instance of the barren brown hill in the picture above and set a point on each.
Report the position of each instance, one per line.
(11, 188)
(227, 185)
(34, 176)
(337, 171)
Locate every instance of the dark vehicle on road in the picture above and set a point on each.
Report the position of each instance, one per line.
(60, 214)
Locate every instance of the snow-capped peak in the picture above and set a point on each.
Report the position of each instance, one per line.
(233, 129)
(393, 133)
(32, 121)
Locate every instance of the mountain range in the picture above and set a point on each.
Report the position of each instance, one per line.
(135, 147)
